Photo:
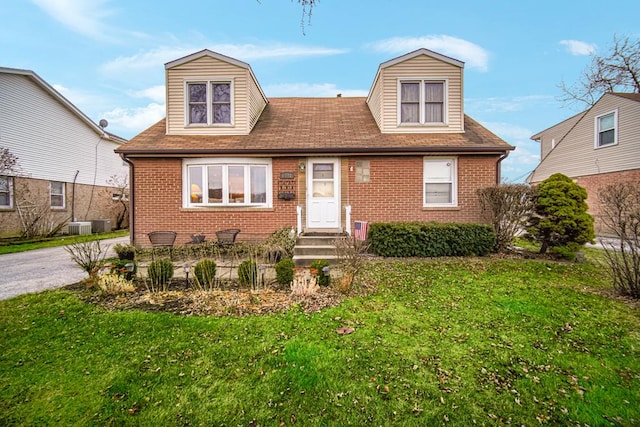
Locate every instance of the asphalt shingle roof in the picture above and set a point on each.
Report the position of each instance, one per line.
(314, 125)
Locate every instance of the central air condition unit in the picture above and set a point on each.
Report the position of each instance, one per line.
(101, 225)
(80, 228)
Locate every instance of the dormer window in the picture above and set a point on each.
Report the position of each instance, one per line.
(422, 102)
(209, 103)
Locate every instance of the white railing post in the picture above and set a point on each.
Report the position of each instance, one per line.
(299, 218)
(347, 208)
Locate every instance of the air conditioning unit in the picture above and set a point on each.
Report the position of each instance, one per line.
(79, 228)
(101, 225)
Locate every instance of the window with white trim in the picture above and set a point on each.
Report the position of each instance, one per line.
(6, 192)
(440, 182)
(607, 129)
(209, 103)
(228, 182)
(422, 101)
(56, 194)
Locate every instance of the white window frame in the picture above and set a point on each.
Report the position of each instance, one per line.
(209, 102)
(421, 113)
(9, 181)
(187, 164)
(598, 130)
(63, 194)
(453, 181)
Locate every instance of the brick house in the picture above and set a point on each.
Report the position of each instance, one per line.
(597, 147)
(226, 156)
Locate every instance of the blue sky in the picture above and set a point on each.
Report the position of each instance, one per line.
(108, 56)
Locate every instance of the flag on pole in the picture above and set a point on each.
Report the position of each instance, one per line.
(360, 230)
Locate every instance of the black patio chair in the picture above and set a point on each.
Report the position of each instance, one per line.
(162, 239)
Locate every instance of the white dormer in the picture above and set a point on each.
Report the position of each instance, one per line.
(420, 92)
(212, 94)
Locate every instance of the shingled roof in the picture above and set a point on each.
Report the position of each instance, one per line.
(303, 126)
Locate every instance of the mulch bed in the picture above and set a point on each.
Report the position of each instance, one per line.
(230, 301)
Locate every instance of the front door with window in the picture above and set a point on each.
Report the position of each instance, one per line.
(323, 193)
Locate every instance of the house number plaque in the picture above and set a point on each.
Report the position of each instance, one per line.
(286, 186)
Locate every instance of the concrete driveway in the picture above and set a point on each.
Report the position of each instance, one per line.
(41, 269)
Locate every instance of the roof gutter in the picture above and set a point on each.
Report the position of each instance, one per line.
(315, 151)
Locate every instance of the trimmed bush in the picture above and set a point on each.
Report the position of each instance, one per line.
(319, 264)
(284, 271)
(430, 239)
(205, 273)
(160, 272)
(125, 252)
(248, 272)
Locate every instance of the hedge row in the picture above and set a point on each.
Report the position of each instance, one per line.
(429, 239)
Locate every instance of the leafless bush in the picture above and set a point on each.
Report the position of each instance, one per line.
(350, 259)
(506, 207)
(34, 209)
(88, 255)
(620, 214)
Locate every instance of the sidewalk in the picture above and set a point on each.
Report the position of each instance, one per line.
(41, 269)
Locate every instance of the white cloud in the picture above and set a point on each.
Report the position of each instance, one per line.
(82, 16)
(155, 58)
(473, 55)
(155, 93)
(310, 90)
(135, 119)
(508, 130)
(579, 48)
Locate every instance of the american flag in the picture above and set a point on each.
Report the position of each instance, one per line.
(360, 230)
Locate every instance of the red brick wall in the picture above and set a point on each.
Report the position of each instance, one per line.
(395, 190)
(393, 194)
(593, 184)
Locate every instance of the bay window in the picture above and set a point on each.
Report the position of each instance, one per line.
(228, 182)
(440, 182)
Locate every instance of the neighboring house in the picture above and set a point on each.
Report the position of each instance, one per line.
(597, 147)
(64, 158)
(226, 156)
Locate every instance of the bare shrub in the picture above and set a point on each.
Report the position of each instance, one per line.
(88, 255)
(350, 259)
(620, 214)
(34, 209)
(506, 207)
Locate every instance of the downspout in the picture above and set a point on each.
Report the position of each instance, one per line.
(132, 227)
(499, 168)
(73, 197)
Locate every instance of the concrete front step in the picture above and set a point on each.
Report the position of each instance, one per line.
(306, 260)
(314, 247)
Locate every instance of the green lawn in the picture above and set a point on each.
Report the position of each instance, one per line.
(13, 245)
(459, 342)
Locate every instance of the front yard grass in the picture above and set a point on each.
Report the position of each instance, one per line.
(456, 341)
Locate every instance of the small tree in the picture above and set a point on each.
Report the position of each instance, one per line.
(506, 207)
(620, 214)
(617, 70)
(560, 220)
(118, 189)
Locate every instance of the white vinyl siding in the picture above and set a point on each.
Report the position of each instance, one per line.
(384, 101)
(247, 100)
(575, 155)
(227, 182)
(440, 182)
(57, 194)
(606, 129)
(6, 192)
(50, 141)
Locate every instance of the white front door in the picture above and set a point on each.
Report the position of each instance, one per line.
(323, 193)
